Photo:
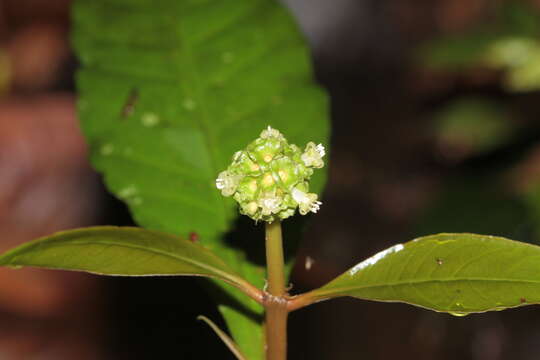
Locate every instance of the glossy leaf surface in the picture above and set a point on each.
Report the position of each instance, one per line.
(455, 273)
(169, 90)
(121, 251)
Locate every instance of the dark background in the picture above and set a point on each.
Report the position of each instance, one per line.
(416, 150)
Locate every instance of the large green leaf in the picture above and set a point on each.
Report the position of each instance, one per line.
(122, 251)
(170, 89)
(455, 273)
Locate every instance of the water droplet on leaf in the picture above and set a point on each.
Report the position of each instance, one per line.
(458, 313)
(106, 149)
(149, 119)
(189, 104)
(127, 192)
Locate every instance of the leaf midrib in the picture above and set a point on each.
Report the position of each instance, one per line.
(233, 279)
(201, 121)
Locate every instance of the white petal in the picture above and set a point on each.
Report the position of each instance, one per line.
(299, 196)
(320, 150)
(269, 204)
(220, 183)
(315, 206)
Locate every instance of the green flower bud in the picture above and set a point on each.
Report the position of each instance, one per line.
(242, 164)
(286, 170)
(270, 178)
(265, 150)
(248, 189)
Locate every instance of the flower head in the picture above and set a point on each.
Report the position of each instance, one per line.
(270, 178)
(312, 156)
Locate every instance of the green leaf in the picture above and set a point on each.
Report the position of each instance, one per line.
(223, 337)
(121, 251)
(455, 273)
(169, 90)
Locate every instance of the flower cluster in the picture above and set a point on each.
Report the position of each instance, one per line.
(270, 178)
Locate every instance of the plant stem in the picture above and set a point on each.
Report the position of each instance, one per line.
(276, 332)
(275, 303)
(274, 259)
(302, 300)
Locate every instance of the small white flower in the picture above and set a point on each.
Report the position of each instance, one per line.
(220, 183)
(270, 132)
(306, 201)
(312, 156)
(270, 204)
(227, 183)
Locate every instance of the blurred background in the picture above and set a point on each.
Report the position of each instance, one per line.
(436, 128)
